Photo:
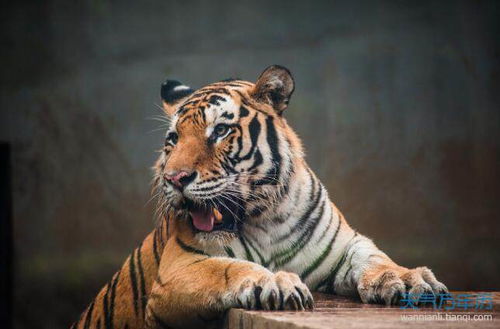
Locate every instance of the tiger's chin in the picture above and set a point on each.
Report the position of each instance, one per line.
(213, 222)
(215, 238)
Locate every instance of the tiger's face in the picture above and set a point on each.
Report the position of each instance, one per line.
(228, 151)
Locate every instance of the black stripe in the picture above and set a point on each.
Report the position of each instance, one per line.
(342, 264)
(247, 251)
(113, 296)
(315, 198)
(288, 173)
(328, 227)
(273, 142)
(303, 239)
(201, 110)
(258, 210)
(329, 281)
(273, 174)
(243, 111)
(155, 248)
(257, 160)
(133, 279)
(296, 199)
(349, 262)
(311, 228)
(239, 142)
(186, 118)
(228, 169)
(141, 277)
(88, 316)
(254, 132)
(347, 272)
(227, 115)
(216, 99)
(203, 189)
(321, 258)
(183, 109)
(105, 307)
(188, 248)
(262, 260)
(230, 252)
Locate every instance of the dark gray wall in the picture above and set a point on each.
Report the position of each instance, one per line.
(397, 103)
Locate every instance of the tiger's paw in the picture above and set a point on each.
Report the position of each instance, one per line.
(268, 291)
(388, 284)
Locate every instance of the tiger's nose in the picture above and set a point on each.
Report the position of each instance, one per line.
(180, 178)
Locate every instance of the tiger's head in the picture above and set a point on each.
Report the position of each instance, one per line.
(229, 153)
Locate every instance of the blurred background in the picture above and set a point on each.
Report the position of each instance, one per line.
(398, 104)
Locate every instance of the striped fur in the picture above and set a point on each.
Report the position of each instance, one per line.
(122, 302)
(289, 233)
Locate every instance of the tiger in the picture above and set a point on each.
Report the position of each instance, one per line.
(245, 222)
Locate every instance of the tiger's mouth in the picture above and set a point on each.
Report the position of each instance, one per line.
(216, 217)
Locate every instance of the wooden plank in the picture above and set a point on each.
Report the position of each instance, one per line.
(341, 312)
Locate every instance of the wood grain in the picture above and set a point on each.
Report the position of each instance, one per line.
(340, 312)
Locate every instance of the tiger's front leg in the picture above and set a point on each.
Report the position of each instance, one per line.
(377, 279)
(193, 290)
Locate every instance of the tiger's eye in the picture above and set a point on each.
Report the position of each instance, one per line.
(221, 129)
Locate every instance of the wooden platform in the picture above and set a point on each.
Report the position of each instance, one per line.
(340, 312)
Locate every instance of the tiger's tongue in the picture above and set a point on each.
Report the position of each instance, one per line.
(203, 220)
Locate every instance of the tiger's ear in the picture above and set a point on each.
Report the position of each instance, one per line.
(172, 93)
(274, 87)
